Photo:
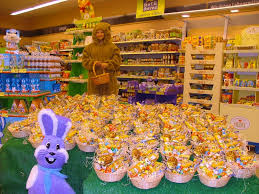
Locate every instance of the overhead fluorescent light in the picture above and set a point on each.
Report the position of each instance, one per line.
(185, 16)
(38, 7)
(234, 11)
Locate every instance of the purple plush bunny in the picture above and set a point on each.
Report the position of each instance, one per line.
(51, 155)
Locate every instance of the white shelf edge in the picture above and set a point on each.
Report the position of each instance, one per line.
(148, 40)
(240, 88)
(78, 31)
(241, 51)
(139, 65)
(143, 77)
(149, 53)
(239, 70)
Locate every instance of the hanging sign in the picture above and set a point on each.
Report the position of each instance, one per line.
(150, 8)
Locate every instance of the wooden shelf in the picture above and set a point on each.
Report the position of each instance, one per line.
(5, 94)
(148, 65)
(239, 70)
(66, 50)
(241, 51)
(148, 40)
(203, 62)
(201, 71)
(240, 105)
(240, 88)
(200, 101)
(73, 61)
(73, 80)
(149, 53)
(196, 91)
(144, 77)
(78, 31)
(208, 82)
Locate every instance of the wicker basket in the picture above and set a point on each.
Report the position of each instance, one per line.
(100, 79)
(85, 147)
(242, 173)
(70, 146)
(178, 178)
(33, 143)
(216, 183)
(19, 134)
(149, 182)
(165, 157)
(111, 177)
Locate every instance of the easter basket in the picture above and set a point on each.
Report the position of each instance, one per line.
(19, 134)
(178, 178)
(113, 176)
(166, 156)
(34, 144)
(121, 152)
(85, 147)
(148, 182)
(100, 79)
(70, 146)
(246, 172)
(210, 182)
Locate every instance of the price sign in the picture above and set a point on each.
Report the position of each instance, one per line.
(23, 70)
(2, 94)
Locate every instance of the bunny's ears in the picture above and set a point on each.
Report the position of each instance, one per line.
(52, 124)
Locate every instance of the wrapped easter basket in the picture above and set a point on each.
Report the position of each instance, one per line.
(113, 176)
(34, 144)
(246, 172)
(148, 182)
(85, 147)
(100, 79)
(178, 178)
(166, 156)
(123, 152)
(70, 146)
(19, 134)
(216, 183)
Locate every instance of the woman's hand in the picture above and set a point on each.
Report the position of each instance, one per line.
(104, 65)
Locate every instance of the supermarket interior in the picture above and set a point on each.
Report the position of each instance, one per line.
(129, 96)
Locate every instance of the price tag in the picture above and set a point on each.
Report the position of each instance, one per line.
(160, 93)
(2, 94)
(1, 70)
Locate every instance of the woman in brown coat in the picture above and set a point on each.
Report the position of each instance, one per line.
(106, 56)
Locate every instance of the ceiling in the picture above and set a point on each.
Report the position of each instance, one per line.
(65, 12)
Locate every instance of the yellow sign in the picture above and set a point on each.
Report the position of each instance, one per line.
(150, 8)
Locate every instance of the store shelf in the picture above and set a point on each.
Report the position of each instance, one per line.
(241, 51)
(149, 53)
(201, 71)
(148, 40)
(203, 62)
(54, 94)
(10, 114)
(5, 94)
(77, 46)
(78, 31)
(148, 65)
(66, 50)
(200, 101)
(197, 91)
(240, 106)
(72, 61)
(240, 88)
(25, 71)
(144, 77)
(239, 70)
(208, 82)
(73, 80)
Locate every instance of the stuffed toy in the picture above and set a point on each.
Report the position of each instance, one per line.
(51, 155)
(86, 9)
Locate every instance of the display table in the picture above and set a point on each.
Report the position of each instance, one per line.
(16, 161)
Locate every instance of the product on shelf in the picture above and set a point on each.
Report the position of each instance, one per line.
(168, 59)
(208, 42)
(145, 47)
(148, 35)
(228, 79)
(226, 98)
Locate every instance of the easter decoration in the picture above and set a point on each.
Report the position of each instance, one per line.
(51, 155)
(86, 9)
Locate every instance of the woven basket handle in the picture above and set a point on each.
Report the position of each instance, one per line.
(94, 69)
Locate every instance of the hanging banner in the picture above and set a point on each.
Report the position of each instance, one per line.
(150, 8)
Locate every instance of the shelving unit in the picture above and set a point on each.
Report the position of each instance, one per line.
(214, 93)
(148, 40)
(242, 116)
(149, 53)
(144, 77)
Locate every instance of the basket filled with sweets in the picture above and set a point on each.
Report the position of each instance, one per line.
(109, 169)
(69, 141)
(214, 173)
(86, 141)
(145, 175)
(179, 170)
(19, 129)
(243, 165)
